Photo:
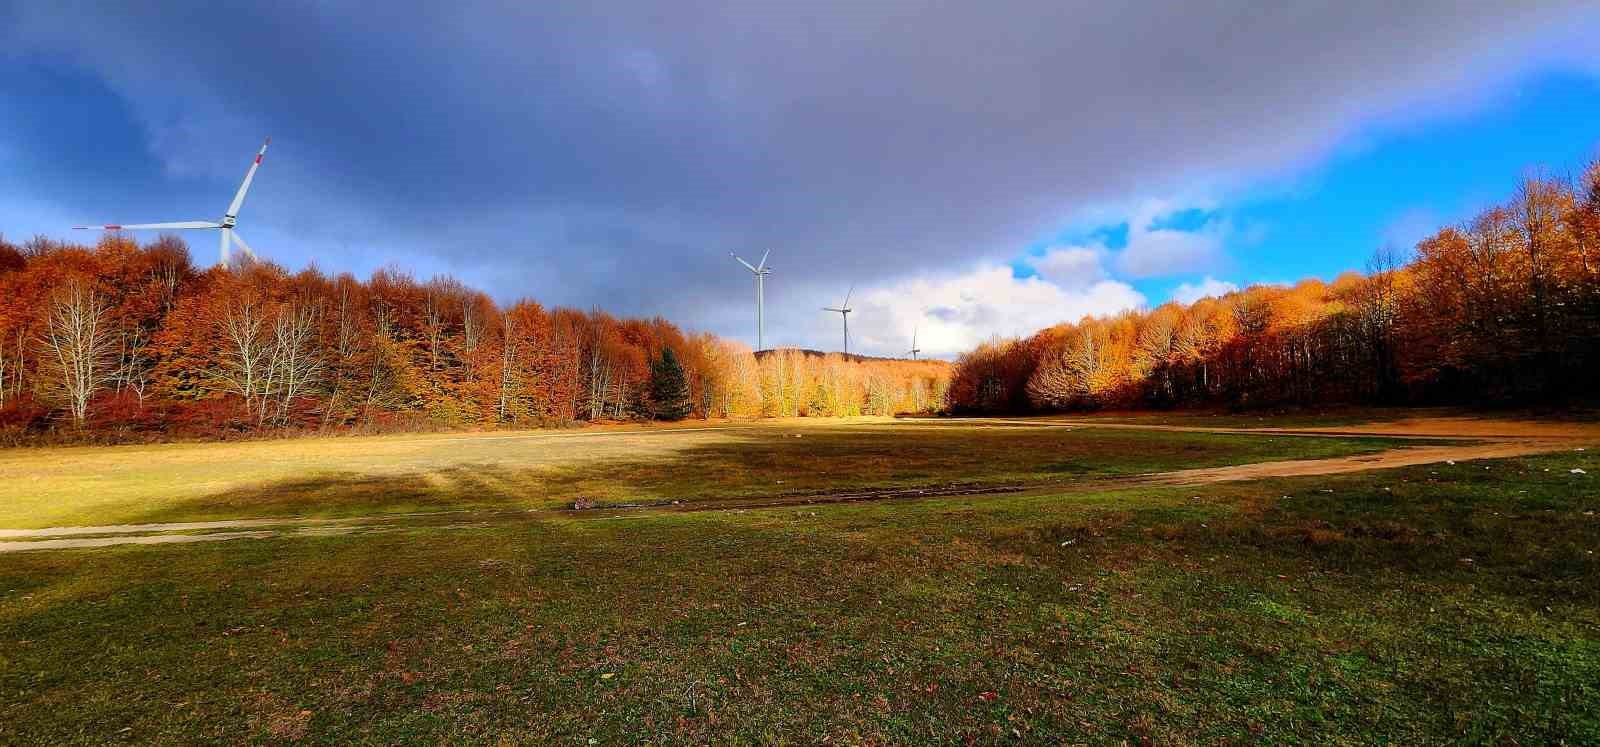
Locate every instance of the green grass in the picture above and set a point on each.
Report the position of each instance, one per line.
(1431, 604)
(1330, 417)
(1334, 416)
(356, 476)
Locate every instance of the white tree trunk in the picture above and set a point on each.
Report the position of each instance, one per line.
(79, 346)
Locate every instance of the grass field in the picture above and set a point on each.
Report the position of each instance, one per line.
(1447, 602)
(351, 476)
(1333, 416)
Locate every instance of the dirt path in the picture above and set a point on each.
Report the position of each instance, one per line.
(1480, 439)
(1391, 459)
(1431, 429)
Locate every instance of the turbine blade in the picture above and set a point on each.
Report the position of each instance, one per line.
(847, 293)
(238, 199)
(763, 264)
(237, 239)
(136, 226)
(742, 262)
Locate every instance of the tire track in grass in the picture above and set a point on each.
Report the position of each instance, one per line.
(57, 538)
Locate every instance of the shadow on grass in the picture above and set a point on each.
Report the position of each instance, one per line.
(1222, 613)
(812, 461)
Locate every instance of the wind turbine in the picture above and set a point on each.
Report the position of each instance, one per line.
(225, 226)
(760, 270)
(844, 313)
(914, 349)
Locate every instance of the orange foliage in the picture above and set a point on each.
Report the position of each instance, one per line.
(1503, 307)
(221, 351)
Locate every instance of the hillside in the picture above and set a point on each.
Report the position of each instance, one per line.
(1504, 307)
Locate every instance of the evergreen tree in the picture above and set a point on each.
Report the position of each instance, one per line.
(669, 387)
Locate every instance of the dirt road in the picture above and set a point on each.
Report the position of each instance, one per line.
(1480, 438)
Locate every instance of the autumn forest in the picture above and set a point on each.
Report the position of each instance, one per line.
(1504, 308)
(129, 341)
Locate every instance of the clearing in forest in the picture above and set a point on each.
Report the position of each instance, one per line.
(353, 476)
(1117, 598)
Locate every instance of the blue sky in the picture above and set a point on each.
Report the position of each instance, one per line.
(972, 172)
(1382, 184)
(1395, 184)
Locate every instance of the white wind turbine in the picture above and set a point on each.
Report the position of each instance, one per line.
(844, 313)
(225, 226)
(761, 271)
(914, 349)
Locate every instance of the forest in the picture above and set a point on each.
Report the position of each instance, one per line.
(1503, 308)
(122, 341)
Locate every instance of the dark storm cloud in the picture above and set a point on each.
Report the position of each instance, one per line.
(612, 153)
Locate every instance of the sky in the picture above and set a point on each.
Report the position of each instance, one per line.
(970, 169)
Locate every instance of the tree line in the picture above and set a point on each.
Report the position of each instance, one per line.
(122, 340)
(1504, 307)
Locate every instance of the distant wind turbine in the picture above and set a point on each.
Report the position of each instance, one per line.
(844, 313)
(226, 225)
(914, 349)
(760, 270)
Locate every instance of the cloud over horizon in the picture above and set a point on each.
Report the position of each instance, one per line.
(613, 153)
(954, 313)
(1209, 287)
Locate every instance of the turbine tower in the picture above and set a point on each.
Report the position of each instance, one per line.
(225, 227)
(844, 313)
(761, 271)
(914, 349)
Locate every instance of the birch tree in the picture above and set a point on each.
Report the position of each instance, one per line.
(78, 345)
(295, 366)
(246, 350)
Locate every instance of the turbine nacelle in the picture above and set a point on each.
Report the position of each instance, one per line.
(843, 310)
(760, 270)
(229, 238)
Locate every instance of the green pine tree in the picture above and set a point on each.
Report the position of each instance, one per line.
(669, 387)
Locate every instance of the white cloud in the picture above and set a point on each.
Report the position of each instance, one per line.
(760, 135)
(1072, 267)
(1150, 251)
(1210, 286)
(1168, 251)
(954, 313)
